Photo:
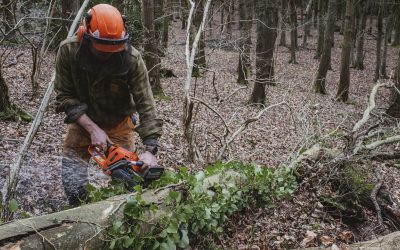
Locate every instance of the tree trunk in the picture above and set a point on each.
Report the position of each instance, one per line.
(293, 36)
(379, 42)
(344, 81)
(282, 21)
(167, 11)
(184, 11)
(324, 63)
(69, 10)
(388, 28)
(158, 20)
(86, 227)
(321, 27)
(200, 59)
(229, 18)
(266, 36)
(244, 65)
(394, 109)
(342, 18)
(396, 40)
(5, 104)
(151, 55)
(307, 24)
(361, 23)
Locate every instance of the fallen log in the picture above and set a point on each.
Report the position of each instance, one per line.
(84, 227)
(387, 242)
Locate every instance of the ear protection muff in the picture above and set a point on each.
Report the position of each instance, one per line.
(82, 30)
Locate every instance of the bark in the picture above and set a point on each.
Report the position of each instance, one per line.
(184, 11)
(307, 24)
(293, 31)
(321, 27)
(167, 11)
(342, 17)
(69, 10)
(200, 60)
(361, 30)
(324, 63)
(282, 22)
(394, 109)
(85, 227)
(151, 55)
(379, 43)
(244, 65)
(344, 80)
(266, 36)
(229, 8)
(388, 28)
(396, 40)
(5, 104)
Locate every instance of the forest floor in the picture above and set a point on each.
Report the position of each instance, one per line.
(270, 141)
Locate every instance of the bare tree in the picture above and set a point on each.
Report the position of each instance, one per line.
(307, 24)
(293, 31)
(396, 40)
(361, 30)
(319, 81)
(245, 23)
(394, 109)
(266, 36)
(321, 27)
(379, 41)
(283, 6)
(344, 81)
(151, 56)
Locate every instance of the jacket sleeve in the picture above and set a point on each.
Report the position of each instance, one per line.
(67, 99)
(150, 127)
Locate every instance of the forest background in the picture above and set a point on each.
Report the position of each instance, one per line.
(234, 80)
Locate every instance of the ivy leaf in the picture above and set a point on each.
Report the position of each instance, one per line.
(156, 245)
(13, 206)
(184, 240)
(200, 176)
(172, 228)
(117, 225)
(112, 244)
(127, 241)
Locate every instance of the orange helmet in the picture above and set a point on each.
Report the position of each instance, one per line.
(105, 27)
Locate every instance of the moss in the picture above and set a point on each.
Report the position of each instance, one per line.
(162, 97)
(358, 181)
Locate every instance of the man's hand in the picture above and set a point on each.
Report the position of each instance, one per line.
(148, 159)
(98, 137)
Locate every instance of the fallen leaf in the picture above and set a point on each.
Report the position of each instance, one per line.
(326, 240)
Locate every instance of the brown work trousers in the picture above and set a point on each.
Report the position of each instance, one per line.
(74, 172)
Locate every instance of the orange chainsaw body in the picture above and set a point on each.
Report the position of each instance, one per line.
(113, 155)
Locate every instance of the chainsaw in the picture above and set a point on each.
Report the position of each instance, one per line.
(124, 165)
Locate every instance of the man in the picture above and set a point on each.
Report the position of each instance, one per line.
(101, 81)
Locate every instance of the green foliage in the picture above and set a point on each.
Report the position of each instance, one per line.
(196, 210)
(358, 181)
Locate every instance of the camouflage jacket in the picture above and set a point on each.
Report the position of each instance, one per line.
(107, 92)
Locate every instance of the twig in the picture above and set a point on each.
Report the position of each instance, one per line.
(15, 61)
(41, 235)
(243, 127)
(234, 92)
(373, 198)
(213, 110)
(388, 140)
(371, 106)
